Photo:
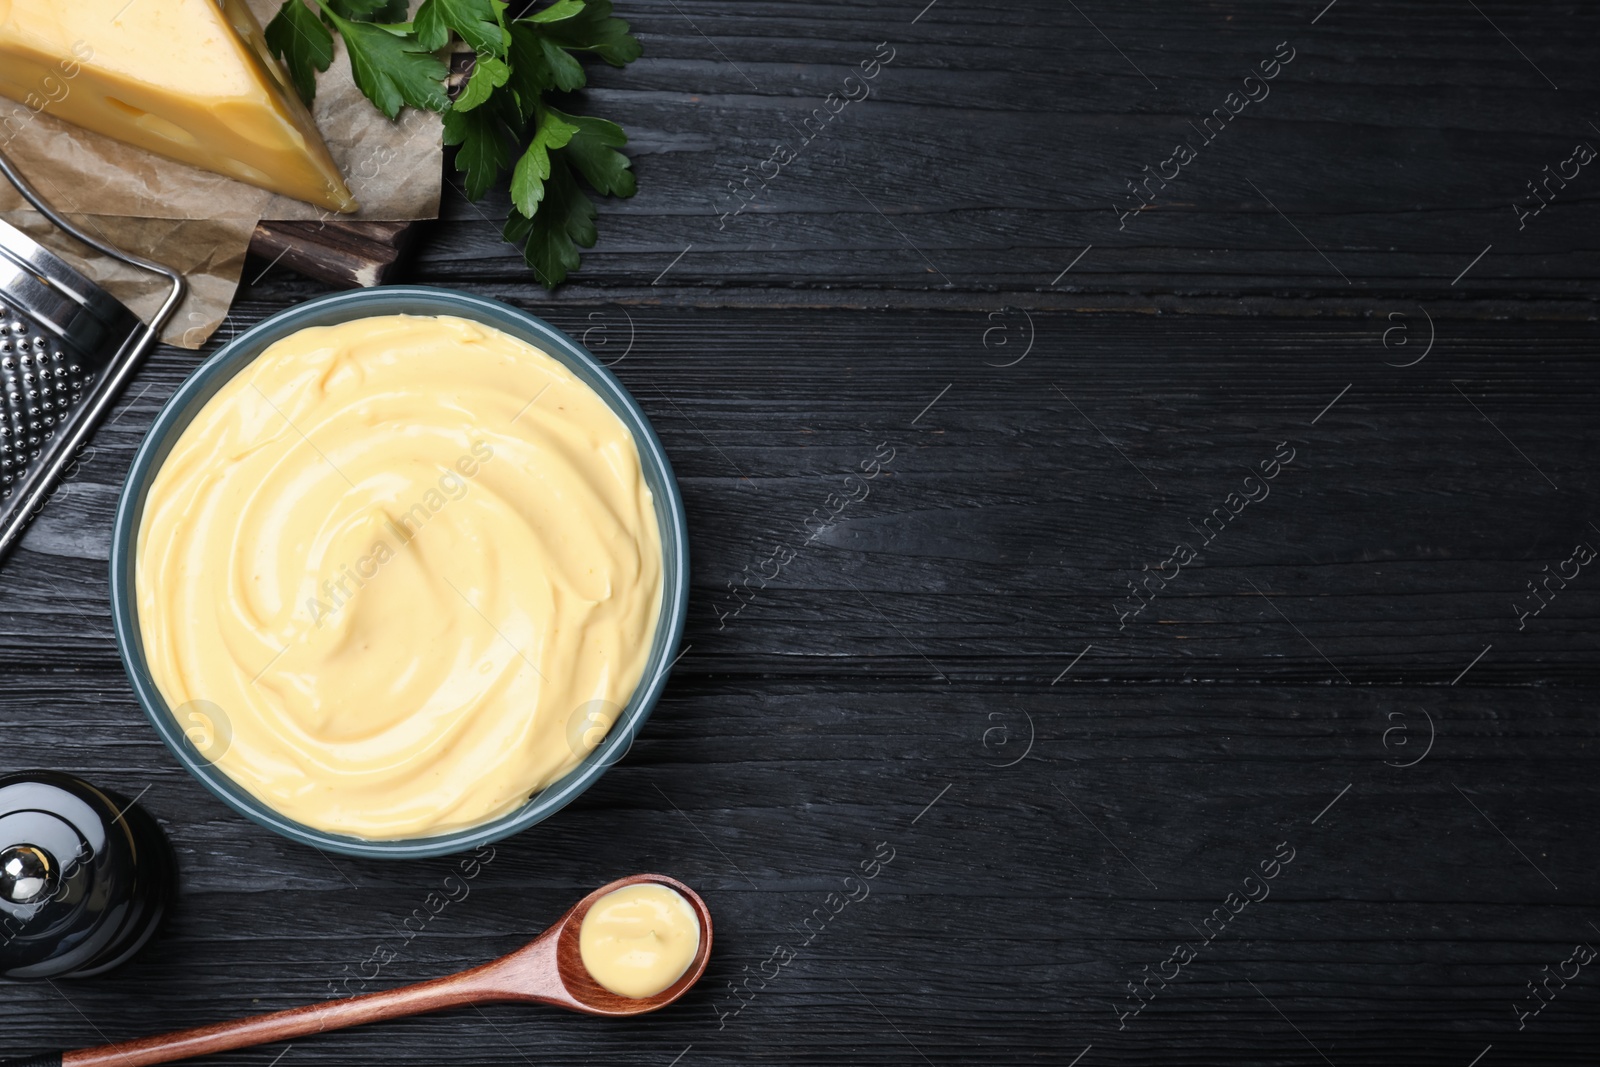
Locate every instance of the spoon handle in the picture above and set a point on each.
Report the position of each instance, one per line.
(456, 990)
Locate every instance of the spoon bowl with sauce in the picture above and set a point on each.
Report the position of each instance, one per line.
(648, 933)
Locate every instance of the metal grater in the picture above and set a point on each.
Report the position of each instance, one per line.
(67, 347)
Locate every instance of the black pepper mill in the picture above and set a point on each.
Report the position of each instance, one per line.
(85, 877)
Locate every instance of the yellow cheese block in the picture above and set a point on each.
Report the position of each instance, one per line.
(191, 80)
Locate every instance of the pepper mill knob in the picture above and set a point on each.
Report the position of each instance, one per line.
(27, 874)
(85, 877)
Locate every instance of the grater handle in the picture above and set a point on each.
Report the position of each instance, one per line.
(124, 366)
(31, 195)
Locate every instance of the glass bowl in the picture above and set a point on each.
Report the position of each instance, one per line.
(193, 394)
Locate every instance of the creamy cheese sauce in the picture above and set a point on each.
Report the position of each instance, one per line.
(413, 566)
(639, 940)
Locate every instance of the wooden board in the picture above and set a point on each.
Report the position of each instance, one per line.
(1342, 668)
(345, 255)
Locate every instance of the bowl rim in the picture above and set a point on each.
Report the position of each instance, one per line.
(237, 353)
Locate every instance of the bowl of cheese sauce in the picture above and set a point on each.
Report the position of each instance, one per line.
(399, 572)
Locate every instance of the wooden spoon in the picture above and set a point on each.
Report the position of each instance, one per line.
(548, 971)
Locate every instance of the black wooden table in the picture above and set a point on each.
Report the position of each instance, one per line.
(1178, 678)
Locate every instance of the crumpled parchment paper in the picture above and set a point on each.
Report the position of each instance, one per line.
(197, 222)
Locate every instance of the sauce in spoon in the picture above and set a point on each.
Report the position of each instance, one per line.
(550, 970)
(638, 940)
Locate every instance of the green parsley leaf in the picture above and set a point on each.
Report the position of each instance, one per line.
(550, 239)
(593, 150)
(516, 64)
(565, 71)
(561, 9)
(570, 211)
(432, 31)
(296, 36)
(370, 10)
(488, 74)
(480, 23)
(534, 168)
(530, 72)
(594, 30)
(391, 68)
(485, 147)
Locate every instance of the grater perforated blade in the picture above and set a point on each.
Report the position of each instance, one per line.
(67, 347)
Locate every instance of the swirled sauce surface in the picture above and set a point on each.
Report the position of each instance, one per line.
(406, 566)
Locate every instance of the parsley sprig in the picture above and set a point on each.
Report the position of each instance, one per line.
(500, 118)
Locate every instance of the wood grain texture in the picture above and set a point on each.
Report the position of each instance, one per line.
(944, 795)
(549, 970)
(992, 149)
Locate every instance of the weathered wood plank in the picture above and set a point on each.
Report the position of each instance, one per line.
(991, 150)
(1016, 906)
(965, 613)
(1002, 536)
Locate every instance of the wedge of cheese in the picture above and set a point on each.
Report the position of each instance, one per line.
(191, 80)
